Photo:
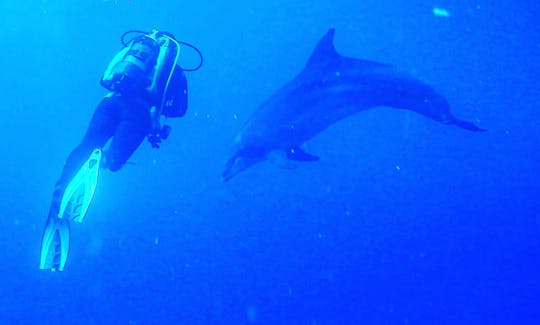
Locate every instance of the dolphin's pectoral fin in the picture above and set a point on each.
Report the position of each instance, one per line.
(289, 159)
(298, 154)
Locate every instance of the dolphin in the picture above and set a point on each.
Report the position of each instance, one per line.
(330, 87)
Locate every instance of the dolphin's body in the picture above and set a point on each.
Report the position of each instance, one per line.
(330, 88)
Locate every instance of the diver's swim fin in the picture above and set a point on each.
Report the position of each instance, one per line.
(55, 244)
(81, 189)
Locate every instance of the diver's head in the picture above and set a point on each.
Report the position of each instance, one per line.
(156, 34)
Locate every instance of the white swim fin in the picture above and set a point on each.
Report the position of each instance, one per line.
(55, 244)
(80, 191)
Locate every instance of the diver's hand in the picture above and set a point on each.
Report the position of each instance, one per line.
(154, 139)
(158, 135)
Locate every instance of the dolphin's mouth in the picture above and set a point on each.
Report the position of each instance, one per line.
(241, 161)
(234, 166)
(229, 171)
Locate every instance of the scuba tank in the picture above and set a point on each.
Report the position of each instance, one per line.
(169, 83)
(130, 68)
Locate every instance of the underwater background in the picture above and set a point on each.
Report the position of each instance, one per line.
(403, 220)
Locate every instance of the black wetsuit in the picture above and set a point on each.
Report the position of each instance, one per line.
(123, 119)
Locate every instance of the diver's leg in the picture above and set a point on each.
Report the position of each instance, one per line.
(55, 241)
(133, 127)
(100, 130)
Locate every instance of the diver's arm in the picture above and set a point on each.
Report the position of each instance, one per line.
(153, 135)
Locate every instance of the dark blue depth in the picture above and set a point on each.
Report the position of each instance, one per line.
(403, 220)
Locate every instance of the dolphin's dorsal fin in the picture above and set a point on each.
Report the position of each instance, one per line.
(325, 50)
(325, 54)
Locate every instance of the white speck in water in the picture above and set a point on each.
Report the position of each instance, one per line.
(440, 12)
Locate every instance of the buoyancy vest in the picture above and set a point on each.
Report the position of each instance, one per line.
(131, 68)
(150, 65)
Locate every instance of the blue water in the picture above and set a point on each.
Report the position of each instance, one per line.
(403, 221)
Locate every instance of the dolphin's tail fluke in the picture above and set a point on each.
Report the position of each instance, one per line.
(465, 125)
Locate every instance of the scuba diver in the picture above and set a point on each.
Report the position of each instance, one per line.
(145, 82)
